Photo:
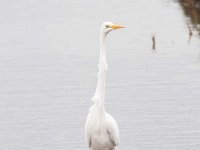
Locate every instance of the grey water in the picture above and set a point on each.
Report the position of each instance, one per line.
(48, 72)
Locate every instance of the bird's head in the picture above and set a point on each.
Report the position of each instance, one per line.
(109, 26)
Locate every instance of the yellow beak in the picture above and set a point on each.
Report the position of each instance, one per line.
(117, 26)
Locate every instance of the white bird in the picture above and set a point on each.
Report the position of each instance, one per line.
(101, 129)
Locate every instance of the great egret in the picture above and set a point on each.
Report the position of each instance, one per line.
(101, 129)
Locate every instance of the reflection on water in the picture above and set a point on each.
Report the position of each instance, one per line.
(192, 10)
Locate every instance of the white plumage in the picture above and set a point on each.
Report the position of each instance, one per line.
(101, 129)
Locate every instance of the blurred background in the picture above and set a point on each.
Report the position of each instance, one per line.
(49, 53)
(191, 9)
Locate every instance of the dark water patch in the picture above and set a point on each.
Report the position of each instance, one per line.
(191, 9)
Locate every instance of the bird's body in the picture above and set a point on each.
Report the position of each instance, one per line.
(102, 131)
(101, 128)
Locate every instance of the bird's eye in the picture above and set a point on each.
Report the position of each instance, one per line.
(107, 26)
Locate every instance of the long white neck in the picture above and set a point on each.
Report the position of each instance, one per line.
(99, 97)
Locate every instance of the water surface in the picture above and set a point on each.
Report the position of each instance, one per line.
(48, 73)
